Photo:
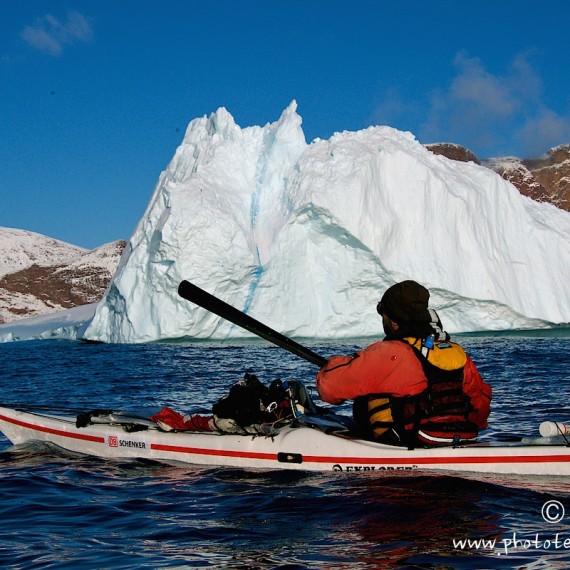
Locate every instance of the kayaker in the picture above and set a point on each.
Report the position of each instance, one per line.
(415, 387)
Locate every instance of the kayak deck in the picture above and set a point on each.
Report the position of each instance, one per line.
(302, 448)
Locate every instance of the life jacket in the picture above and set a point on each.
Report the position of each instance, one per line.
(438, 415)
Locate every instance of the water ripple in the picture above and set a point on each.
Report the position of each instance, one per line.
(62, 510)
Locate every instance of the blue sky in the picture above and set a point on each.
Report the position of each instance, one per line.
(95, 95)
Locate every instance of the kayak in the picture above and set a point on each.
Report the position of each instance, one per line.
(300, 445)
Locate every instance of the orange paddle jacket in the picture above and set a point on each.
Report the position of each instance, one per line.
(390, 367)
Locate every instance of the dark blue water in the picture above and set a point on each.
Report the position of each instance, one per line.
(62, 511)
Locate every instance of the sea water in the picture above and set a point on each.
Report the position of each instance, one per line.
(68, 511)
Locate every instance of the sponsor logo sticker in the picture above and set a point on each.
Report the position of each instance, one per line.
(114, 441)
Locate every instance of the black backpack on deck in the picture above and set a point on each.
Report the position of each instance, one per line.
(249, 401)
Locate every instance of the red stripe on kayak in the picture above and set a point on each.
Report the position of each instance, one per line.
(82, 436)
(369, 460)
(217, 452)
(440, 460)
(504, 459)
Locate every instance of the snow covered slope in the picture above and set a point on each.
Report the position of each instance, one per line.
(306, 237)
(20, 249)
(41, 275)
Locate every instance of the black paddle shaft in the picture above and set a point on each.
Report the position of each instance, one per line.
(207, 301)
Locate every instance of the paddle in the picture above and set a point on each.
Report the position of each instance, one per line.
(207, 301)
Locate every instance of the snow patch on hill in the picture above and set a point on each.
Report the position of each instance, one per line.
(43, 275)
(20, 249)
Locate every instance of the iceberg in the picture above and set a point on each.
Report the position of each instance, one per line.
(61, 325)
(306, 237)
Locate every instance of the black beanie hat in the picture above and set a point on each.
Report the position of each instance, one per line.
(405, 302)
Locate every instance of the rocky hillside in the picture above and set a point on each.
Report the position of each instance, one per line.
(544, 180)
(39, 275)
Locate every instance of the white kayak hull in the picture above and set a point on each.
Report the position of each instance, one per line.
(302, 448)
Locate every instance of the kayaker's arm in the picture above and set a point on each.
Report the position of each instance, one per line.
(371, 371)
(479, 393)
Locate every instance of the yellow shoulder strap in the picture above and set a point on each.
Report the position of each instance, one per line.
(446, 355)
